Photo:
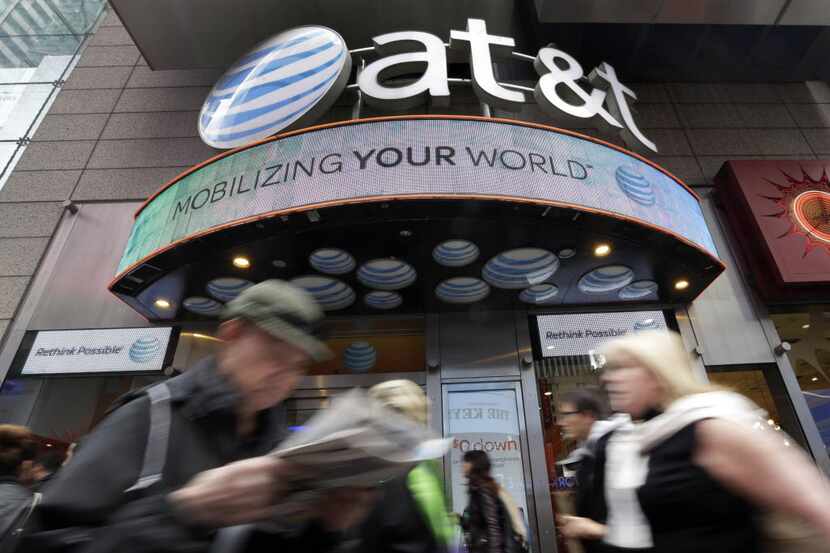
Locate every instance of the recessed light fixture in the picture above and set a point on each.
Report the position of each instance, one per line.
(406, 233)
(162, 303)
(279, 264)
(681, 284)
(601, 250)
(241, 262)
(805, 326)
(814, 379)
(548, 394)
(771, 422)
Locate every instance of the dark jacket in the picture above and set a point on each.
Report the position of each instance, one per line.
(13, 497)
(90, 490)
(396, 524)
(485, 522)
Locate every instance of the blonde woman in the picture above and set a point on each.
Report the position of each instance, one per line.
(411, 515)
(693, 469)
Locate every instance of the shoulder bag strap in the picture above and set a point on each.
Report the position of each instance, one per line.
(158, 437)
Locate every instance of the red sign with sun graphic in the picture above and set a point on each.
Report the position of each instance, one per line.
(780, 212)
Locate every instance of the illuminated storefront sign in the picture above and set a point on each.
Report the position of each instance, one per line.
(779, 210)
(580, 333)
(97, 351)
(415, 157)
(297, 74)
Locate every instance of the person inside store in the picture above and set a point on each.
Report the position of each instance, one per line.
(698, 469)
(582, 416)
(492, 522)
(213, 426)
(15, 442)
(411, 513)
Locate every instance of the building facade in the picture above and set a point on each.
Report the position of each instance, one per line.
(418, 220)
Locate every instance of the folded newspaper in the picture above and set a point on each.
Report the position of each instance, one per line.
(355, 443)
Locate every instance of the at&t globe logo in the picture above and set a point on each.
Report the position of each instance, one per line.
(289, 79)
(145, 349)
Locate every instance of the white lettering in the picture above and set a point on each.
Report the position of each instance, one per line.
(546, 93)
(433, 83)
(485, 85)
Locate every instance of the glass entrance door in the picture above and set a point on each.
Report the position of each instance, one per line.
(487, 417)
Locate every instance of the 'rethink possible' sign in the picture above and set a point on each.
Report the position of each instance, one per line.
(580, 333)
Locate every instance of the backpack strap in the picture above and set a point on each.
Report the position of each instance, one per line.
(158, 437)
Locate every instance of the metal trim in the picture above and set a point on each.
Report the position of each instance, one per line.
(544, 523)
(28, 304)
(334, 381)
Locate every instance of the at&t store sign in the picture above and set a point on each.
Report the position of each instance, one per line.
(294, 77)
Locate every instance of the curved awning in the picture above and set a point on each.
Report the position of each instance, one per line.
(500, 184)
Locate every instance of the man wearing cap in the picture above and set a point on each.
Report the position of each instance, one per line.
(225, 415)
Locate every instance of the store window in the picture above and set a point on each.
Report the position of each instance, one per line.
(61, 409)
(763, 385)
(808, 333)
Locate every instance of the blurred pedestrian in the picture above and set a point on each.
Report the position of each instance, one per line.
(411, 514)
(582, 414)
(695, 468)
(44, 468)
(15, 498)
(492, 522)
(180, 459)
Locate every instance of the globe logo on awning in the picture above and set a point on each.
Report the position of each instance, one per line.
(287, 80)
(145, 349)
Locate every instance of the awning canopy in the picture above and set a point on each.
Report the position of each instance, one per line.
(416, 214)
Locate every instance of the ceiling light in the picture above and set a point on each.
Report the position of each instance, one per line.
(805, 326)
(814, 379)
(241, 262)
(406, 233)
(279, 264)
(602, 250)
(681, 284)
(548, 394)
(771, 422)
(162, 303)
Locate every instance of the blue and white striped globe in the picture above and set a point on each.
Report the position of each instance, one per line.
(144, 349)
(290, 78)
(227, 288)
(383, 300)
(646, 324)
(520, 268)
(359, 357)
(635, 185)
(640, 289)
(386, 274)
(332, 261)
(202, 306)
(541, 294)
(462, 290)
(606, 279)
(455, 253)
(330, 293)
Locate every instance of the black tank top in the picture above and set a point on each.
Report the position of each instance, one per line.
(689, 511)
